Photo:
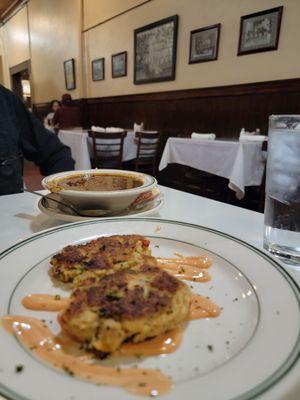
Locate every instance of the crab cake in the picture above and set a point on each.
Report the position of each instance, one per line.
(100, 256)
(128, 305)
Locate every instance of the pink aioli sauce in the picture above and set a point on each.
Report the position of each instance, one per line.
(202, 307)
(64, 353)
(187, 268)
(35, 335)
(45, 302)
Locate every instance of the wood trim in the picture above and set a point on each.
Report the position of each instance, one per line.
(174, 19)
(20, 67)
(257, 14)
(113, 75)
(115, 16)
(7, 14)
(206, 28)
(286, 85)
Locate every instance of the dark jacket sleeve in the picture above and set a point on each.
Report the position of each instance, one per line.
(40, 145)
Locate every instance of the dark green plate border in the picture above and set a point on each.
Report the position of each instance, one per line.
(252, 393)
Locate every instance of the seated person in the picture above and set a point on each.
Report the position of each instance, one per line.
(68, 116)
(23, 136)
(54, 105)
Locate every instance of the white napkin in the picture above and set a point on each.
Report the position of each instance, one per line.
(206, 136)
(138, 127)
(245, 137)
(112, 129)
(97, 129)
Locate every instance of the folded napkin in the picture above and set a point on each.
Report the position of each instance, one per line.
(138, 127)
(112, 129)
(206, 136)
(97, 129)
(245, 137)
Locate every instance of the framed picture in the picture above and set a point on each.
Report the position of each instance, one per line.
(260, 31)
(155, 51)
(119, 64)
(98, 69)
(69, 70)
(204, 44)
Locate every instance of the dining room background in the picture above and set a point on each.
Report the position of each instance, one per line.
(89, 29)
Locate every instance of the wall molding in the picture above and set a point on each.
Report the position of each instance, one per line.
(285, 85)
(223, 110)
(115, 16)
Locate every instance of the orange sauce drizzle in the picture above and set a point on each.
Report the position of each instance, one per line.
(187, 268)
(202, 307)
(163, 344)
(35, 335)
(197, 261)
(44, 302)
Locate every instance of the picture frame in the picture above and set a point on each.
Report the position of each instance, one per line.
(119, 65)
(260, 31)
(69, 72)
(98, 69)
(155, 47)
(204, 44)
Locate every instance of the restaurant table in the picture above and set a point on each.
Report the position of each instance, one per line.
(82, 149)
(242, 163)
(21, 218)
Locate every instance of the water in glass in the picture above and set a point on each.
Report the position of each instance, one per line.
(282, 204)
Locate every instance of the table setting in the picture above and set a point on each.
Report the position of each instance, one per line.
(81, 145)
(158, 294)
(241, 162)
(185, 224)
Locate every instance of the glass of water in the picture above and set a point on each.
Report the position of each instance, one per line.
(282, 204)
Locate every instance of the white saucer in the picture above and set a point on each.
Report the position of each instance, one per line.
(55, 212)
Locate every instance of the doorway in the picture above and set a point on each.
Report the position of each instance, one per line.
(20, 82)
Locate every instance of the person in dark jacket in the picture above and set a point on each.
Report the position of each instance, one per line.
(24, 136)
(67, 116)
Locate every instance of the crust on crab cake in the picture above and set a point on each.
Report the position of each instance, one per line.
(128, 305)
(100, 256)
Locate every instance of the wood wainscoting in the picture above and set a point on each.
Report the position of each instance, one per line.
(222, 110)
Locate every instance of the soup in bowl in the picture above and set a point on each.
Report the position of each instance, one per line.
(107, 189)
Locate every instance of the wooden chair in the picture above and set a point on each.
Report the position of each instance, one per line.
(147, 147)
(107, 149)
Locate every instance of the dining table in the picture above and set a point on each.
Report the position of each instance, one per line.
(241, 162)
(82, 147)
(21, 218)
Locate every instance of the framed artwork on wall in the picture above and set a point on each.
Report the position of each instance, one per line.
(98, 69)
(204, 44)
(155, 51)
(260, 31)
(69, 71)
(119, 64)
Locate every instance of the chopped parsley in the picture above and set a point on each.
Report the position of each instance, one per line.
(210, 347)
(68, 370)
(57, 297)
(19, 368)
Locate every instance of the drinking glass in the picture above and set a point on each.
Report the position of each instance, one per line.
(282, 204)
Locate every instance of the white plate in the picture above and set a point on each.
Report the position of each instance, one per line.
(57, 213)
(255, 340)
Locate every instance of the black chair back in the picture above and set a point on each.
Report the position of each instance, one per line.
(107, 149)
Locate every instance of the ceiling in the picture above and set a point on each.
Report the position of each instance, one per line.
(6, 5)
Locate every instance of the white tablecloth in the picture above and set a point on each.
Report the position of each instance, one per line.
(77, 141)
(82, 149)
(242, 163)
(21, 218)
